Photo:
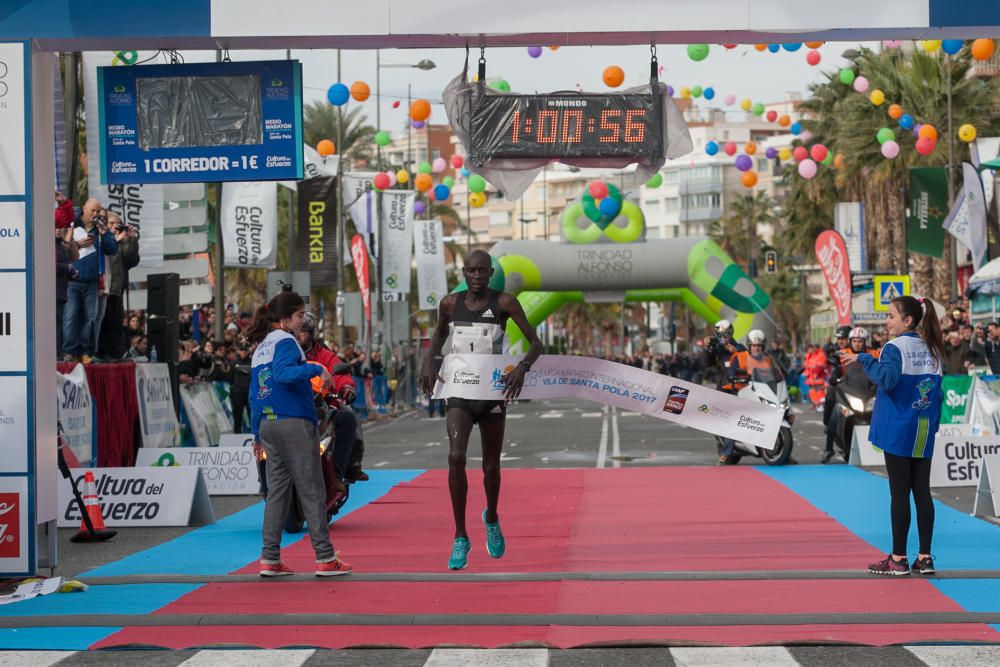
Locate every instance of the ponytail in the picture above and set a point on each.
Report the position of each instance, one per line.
(283, 305)
(925, 322)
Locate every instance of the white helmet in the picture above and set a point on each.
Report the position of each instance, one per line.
(858, 332)
(724, 327)
(756, 337)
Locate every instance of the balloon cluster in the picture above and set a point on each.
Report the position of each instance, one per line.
(602, 202)
(338, 94)
(813, 57)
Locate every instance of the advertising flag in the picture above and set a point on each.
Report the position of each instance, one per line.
(397, 239)
(316, 239)
(928, 209)
(967, 219)
(360, 256)
(432, 282)
(832, 256)
(250, 224)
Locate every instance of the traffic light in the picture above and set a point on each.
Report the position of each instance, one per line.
(771, 261)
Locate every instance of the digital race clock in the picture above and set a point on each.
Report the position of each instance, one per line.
(567, 125)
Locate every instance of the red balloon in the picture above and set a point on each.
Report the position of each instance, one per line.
(772, 116)
(926, 145)
(395, 105)
(800, 153)
(818, 152)
(598, 189)
(730, 46)
(729, 148)
(381, 180)
(457, 161)
(813, 58)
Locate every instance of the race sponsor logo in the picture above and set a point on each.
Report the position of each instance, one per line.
(750, 424)
(676, 400)
(465, 377)
(496, 379)
(10, 526)
(721, 413)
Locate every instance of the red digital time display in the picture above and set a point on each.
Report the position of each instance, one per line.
(566, 125)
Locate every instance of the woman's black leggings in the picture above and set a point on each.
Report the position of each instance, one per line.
(909, 475)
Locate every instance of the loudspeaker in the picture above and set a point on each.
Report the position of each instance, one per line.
(163, 294)
(164, 335)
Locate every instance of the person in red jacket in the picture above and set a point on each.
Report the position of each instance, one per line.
(348, 449)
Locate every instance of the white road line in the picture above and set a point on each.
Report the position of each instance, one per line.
(32, 658)
(381, 463)
(956, 656)
(602, 450)
(255, 658)
(409, 452)
(631, 414)
(499, 657)
(432, 444)
(551, 415)
(616, 444)
(591, 414)
(735, 656)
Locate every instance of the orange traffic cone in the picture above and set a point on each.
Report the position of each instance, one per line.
(92, 523)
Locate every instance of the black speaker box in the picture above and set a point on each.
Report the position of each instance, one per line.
(163, 294)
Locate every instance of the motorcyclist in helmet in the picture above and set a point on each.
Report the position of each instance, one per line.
(755, 356)
(850, 373)
(833, 361)
(345, 459)
(722, 352)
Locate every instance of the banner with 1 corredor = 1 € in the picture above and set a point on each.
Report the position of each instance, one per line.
(479, 377)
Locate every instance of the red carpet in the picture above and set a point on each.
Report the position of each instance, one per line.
(637, 519)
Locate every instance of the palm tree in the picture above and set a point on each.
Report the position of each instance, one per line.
(736, 232)
(321, 120)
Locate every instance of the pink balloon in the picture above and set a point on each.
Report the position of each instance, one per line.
(890, 149)
(892, 44)
(807, 168)
(860, 84)
(805, 136)
(392, 178)
(439, 165)
(730, 99)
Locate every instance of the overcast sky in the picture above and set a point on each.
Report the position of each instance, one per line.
(743, 71)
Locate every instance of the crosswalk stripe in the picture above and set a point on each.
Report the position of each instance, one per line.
(591, 414)
(248, 658)
(735, 656)
(462, 657)
(551, 415)
(32, 658)
(956, 656)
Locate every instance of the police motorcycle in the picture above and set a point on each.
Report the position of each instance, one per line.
(327, 403)
(853, 401)
(767, 385)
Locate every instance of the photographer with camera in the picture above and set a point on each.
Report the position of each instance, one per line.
(833, 365)
(95, 242)
(721, 351)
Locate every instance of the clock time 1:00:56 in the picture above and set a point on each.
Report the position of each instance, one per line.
(567, 126)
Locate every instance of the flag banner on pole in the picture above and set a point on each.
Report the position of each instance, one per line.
(967, 219)
(250, 224)
(396, 235)
(849, 222)
(928, 208)
(478, 377)
(358, 192)
(316, 239)
(137, 204)
(432, 282)
(316, 165)
(360, 257)
(832, 256)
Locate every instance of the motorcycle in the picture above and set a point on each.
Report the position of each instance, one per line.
(768, 386)
(853, 406)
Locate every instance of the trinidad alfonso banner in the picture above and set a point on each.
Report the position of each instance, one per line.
(832, 256)
(478, 377)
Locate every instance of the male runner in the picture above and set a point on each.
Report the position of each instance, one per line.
(475, 321)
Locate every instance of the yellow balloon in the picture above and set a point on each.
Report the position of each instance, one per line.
(967, 133)
(877, 97)
(477, 199)
(686, 92)
(930, 45)
(746, 104)
(785, 153)
(402, 176)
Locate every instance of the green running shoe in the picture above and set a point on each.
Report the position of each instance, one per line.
(495, 544)
(459, 554)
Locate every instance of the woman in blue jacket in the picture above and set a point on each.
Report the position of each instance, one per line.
(907, 375)
(283, 421)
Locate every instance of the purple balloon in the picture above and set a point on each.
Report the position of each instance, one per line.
(534, 51)
(771, 153)
(670, 90)
(743, 162)
(419, 207)
(417, 124)
(916, 129)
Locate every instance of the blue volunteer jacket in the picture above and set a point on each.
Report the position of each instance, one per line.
(279, 381)
(907, 398)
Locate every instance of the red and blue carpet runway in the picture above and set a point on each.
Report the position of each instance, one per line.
(720, 556)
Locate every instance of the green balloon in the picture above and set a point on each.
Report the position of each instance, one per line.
(500, 84)
(424, 168)
(758, 109)
(885, 134)
(697, 52)
(696, 91)
(828, 159)
(656, 181)
(449, 181)
(476, 183)
(847, 76)
(382, 138)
